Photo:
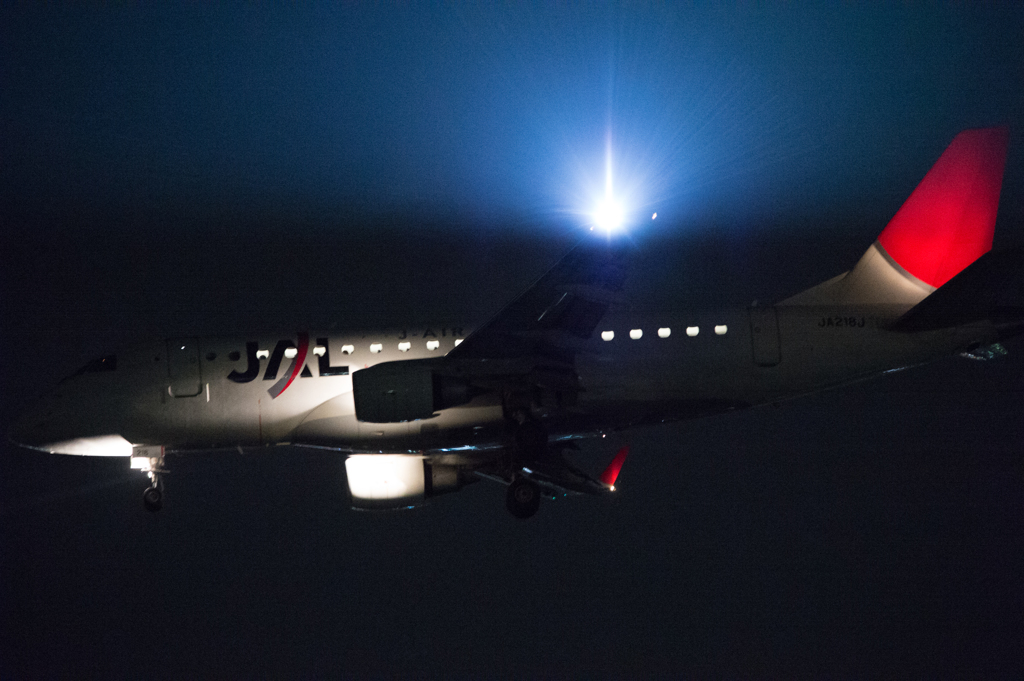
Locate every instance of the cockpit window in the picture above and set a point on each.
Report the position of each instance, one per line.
(105, 363)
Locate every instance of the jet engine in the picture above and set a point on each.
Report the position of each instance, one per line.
(392, 481)
(393, 392)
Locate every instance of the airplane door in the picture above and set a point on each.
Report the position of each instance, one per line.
(764, 333)
(183, 367)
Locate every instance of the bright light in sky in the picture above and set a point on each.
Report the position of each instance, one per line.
(609, 214)
(612, 197)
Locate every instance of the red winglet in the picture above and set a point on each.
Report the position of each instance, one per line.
(611, 474)
(948, 221)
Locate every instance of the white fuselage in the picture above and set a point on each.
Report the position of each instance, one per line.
(212, 393)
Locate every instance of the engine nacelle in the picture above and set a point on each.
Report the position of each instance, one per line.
(392, 481)
(393, 392)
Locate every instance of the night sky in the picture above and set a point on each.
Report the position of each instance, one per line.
(173, 170)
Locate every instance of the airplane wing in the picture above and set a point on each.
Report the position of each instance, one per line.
(530, 344)
(541, 330)
(557, 476)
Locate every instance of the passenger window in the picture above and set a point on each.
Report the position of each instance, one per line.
(664, 332)
(376, 347)
(404, 346)
(348, 349)
(433, 345)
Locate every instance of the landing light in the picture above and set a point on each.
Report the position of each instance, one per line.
(99, 445)
(608, 215)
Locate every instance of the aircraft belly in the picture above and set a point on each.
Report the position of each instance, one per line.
(333, 424)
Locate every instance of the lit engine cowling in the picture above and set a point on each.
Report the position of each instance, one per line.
(393, 481)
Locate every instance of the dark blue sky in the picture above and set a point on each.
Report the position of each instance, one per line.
(173, 170)
(487, 113)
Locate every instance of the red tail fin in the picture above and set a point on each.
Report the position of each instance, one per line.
(948, 222)
(611, 474)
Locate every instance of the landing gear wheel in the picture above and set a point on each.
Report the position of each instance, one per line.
(522, 498)
(153, 498)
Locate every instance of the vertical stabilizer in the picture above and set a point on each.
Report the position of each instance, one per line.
(949, 220)
(946, 224)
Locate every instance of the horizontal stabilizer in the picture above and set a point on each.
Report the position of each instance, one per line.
(991, 288)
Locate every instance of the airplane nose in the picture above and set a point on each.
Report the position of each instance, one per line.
(33, 426)
(52, 425)
(21, 432)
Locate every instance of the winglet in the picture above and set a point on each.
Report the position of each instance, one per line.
(611, 474)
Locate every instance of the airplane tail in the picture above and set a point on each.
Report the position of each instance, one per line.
(946, 224)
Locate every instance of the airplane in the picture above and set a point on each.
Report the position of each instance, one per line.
(422, 412)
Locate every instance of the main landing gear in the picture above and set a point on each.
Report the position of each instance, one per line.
(522, 498)
(150, 460)
(528, 442)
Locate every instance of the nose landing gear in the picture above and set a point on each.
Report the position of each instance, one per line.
(153, 497)
(150, 460)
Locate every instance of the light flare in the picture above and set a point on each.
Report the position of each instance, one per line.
(609, 214)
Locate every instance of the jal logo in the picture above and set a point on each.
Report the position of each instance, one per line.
(297, 369)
